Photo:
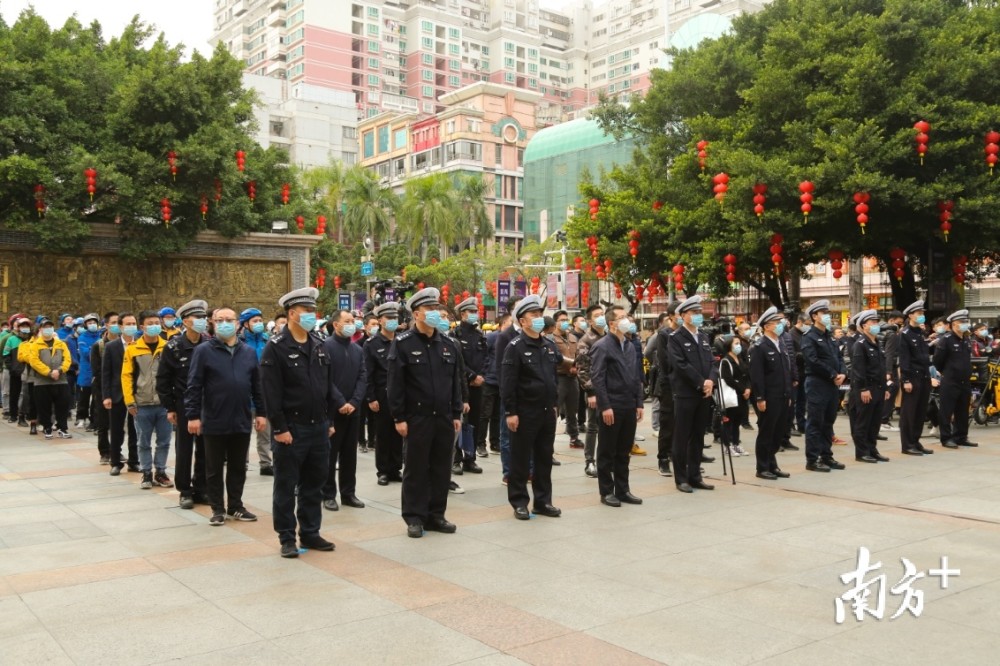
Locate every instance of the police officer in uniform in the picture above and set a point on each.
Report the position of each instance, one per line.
(529, 395)
(953, 359)
(297, 375)
(914, 374)
(771, 375)
(425, 399)
(388, 443)
(473, 345)
(825, 372)
(868, 388)
(692, 378)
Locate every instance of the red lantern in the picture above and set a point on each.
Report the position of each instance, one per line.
(300, 222)
(922, 138)
(252, 190)
(639, 291)
(992, 149)
(702, 153)
(204, 207)
(633, 244)
(90, 175)
(729, 263)
(678, 271)
(776, 252)
(577, 262)
(958, 267)
(945, 208)
(535, 280)
(721, 185)
(806, 197)
(241, 160)
(40, 199)
(861, 208)
(218, 190)
(759, 190)
(657, 205)
(165, 210)
(607, 265)
(898, 256)
(285, 189)
(618, 292)
(321, 225)
(172, 161)
(337, 281)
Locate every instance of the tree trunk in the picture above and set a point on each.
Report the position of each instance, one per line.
(768, 288)
(795, 290)
(855, 285)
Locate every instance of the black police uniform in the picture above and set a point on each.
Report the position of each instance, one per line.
(528, 390)
(953, 359)
(665, 439)
(823, 363)
(914, 369)
(425, 392)
(296, 379)
(771, 375)
(691, 363)
(349, 387)
(787, 342)
(388, 443)
(616, 375)
(472, 342)
(867, 374)
(171, 382)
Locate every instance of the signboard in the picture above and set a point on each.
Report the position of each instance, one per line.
(520, 289)
(344, 301)
(552, 291)
(367, 268)
(390, 295)
(503, 295)
(572, 290)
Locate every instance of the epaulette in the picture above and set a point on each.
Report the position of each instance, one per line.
(404, 335)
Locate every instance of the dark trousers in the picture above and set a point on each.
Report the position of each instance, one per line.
(28, 400)
(581, 412)
(49, 397)
(614, 448)
(466, 449)
(532, 443)
(823, 399)
(118, 421)
(343, 448)
(890, 404)
(367, 431)
(229, 451)
(590, 441)
(569, 398)
(691, 418)
(954, 411)
(865, 422)
(100, 423)
(665, 440)
(189, 447)
(303, 464)
(489, 417)
(731, 423)
(771, 425)
(913, 412)
(15, 395)
(800, 405)
(83, 394)
(427, 470)
(388, 443)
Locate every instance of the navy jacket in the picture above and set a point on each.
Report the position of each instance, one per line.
(914, 354)
(425, 377)
(691, 363)
(616, 374)
(491, 377)
(376, 354)
(822, 359)
(771, 370)
(528, 381)
(953, 359)
(111, 371)
(221, 382)
(347, 377)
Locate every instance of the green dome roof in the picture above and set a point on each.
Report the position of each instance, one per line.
(568, 137)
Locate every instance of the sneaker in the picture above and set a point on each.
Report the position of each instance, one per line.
(656, 432)
(839, 442)
(590, 470)
(456, 469)
(481, 451)
(888, 427)
(576, 444)
(455, 488)
(739, 450)
(665, 468)
(132, 467)
(242, 515)
(217, 519)
(33, 430)
(932, 431)
(81, 423)
(266, 470)
(638, 450)
(147, 481)
(494, 449)
(186, 502)
(105, 460)
(503, 481)
(48, 434)
(115, 470)
(640, 438)
(730, 451)
(289, 550)
(63, 434)
(21, 423)
(162, 480)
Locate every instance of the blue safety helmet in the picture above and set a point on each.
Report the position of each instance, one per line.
(249, 314)
(168, 311)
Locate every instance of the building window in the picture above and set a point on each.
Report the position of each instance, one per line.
(350, 132)
(486, 50)
(454, 81)
(373, 63)
(520, 163)
(373, 79)
(373, 47)
(383, 139)
(427, 91)
(453, 33)
(297, 17)
(399, 139)
(427, 75)
(455, 65)
(373, 30)
(373, 12)
(453, 49)
(368, 144)
(296, 70)
(533, 53)
(508, 47)
(532, 68)
(427, 58)
(508, 77)
(532, 83)
(508, 63)
(426, 26)
(427, 43)
(498, 155)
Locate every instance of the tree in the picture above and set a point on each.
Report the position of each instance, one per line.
(70, 101)
(369, 206)
(327, 185)
(830, 93)
(428, 212)
(473, 219)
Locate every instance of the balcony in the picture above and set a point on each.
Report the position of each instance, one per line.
(276, 19)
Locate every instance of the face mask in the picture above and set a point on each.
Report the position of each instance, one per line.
(601, 322)
(372, 330)
(432, 318)
(538, 324)
(963, 328)
(258, 328)
(199, 325)
(779, 329)
(48, 332)
(697, 320)
(826, 320)
(80, 329)
(307, 320)
(941, 330)
(633, 329)
(348, 330)
(169, 323)
(115, 329)
(875, 330)
(921, 319)
(131, 330)
(624, 325)
(443, 326)
(68, 325)
(564, 326)
(472, 319)
(737, 349)
(25, 331)
(153, 330)
(982, 333)
(584, 326)
(92, 328)
(225, 329)
(391, 325)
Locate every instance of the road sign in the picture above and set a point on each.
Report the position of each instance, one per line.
(367, 268)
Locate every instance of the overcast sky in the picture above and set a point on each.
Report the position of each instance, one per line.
(182, 21)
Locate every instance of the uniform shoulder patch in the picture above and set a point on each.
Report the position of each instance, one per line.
(405, 335)
(277, 338)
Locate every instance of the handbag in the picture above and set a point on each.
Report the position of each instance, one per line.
(729, 398)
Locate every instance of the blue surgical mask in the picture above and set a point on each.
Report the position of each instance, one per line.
(80, 329)
(443, 325)
(964, 327)
(601, 322)
(349, 330)
(153, 329)
(564, 325)
(826, 320)
(538, 324)
(941, 330)
(875, 330)
(472, 319)
(432, 318)
(92, 328)
(779, 329)
(584, 326)
(130, 330)
(115, 329)
(737, 349)
(225, 329)
(624, 326)
(25, 331)
(258, 328)
(169, 323)
(697, 320)
(199, 325)
(48, 332)
(982, 333)
(391, 325)
(372, 330)
(921, 319)
(633, 329)
(307, 320)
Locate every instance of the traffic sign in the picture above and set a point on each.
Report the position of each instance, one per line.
(367, 268)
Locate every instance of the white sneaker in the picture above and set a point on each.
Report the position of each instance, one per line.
(888, 427)
(731, 451)
(640, 438)
(740, 451)
(656, 432)
(455, 488)
(932, 431)
(80, 424)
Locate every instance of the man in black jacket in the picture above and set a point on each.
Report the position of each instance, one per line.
(868, 388)
(825, 372)
(665, 440)
(113, 396)
(616, 377)
(915, 380)
(348, 389)
(472, 341)
(771, 386)
(388, 443)
(953, 359)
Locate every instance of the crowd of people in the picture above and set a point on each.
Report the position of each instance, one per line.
(430, 392)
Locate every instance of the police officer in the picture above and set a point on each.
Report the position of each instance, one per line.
(825, 372)
(349, 387)
(868, 388)
(665, 438)
(953, 360)
(388, 443)
(297, 377)
(472, 342)
(692, 378)
(425, 398)
(529, 393)
(771, 374)
(171, 383)
(914, 375)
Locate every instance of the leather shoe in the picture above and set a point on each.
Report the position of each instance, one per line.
(833, 464)
(925, 450)
(456, 469)
(968, 443)
(317, 542)
(879, 457)
(289, 550)
(767, 475)
(950, 444)
(414, 531)
(383, 480)
(685, 488)
(817, 467)
(590, 470)
(882, 438)
(352, 501)
(471, 467)
(788, 446)
(913, 452)
(440, 525)
(866, 459)
(548, 510)
(521, 513)
(611, 500)
(701, 485)
(781, 475)
(397, 478)
(555, 463)
(331, 505)
(707, 459)
(629, 498)
(266, 470)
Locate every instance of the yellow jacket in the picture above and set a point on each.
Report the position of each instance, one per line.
(139, 368)
(43, 359)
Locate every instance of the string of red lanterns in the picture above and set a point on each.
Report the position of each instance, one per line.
(945, 209)
(595, 208)
(300, 222)
(204, 207)
(702, 154)
(678, 271)
(320, 224)
(172, 161)
(922, 138)
(592, 244)
(806, 197)
(90, 174)
(633, 244)
(165, 210)
(40, 199)
(836, 263)
(898, 256)
(241, 160)
(729, 262)
(777, 252)
(992, 148)
(861, 208)
(252, 190)
(759, 190)
(285, 190)
(958, 267)
(721, 185)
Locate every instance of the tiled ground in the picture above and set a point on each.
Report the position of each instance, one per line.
(94, 570)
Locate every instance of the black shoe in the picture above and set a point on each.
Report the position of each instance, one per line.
(316, 542)
(471, 467)
(746, 426)
(289, 550)
(133, 467)
(331, 505)
(767, 475)
(33, 430)
(866, 459)
(913, 452)
(186, 502)
(833, 464)
(242, 515)
(266, 470)
(817, 467)
(218, 519)
(788, 446)
(200, 498)
(352, 501)
(701, 485)
(548, 510)
(611, 500)
(950, 444)
(665, 468)
(397, 478)
(494, 449)
(796, 433)
(925, 450)
(781, 475)
(707, 459)
(440, 525)
(521, 513)
(879, 457)
(456, 469)
(882, 438)
(555, 463)
(968, 443)
(685, 488)
(115, 470)
(414, 531)
(590, 470)
(629, 498)
(383, 480)
(481, 452)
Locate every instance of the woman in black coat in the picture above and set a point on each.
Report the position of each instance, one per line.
(734, 372)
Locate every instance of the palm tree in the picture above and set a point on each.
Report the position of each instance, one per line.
(327, 184)
(474, 220)
(428, 212)
(369, 205)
